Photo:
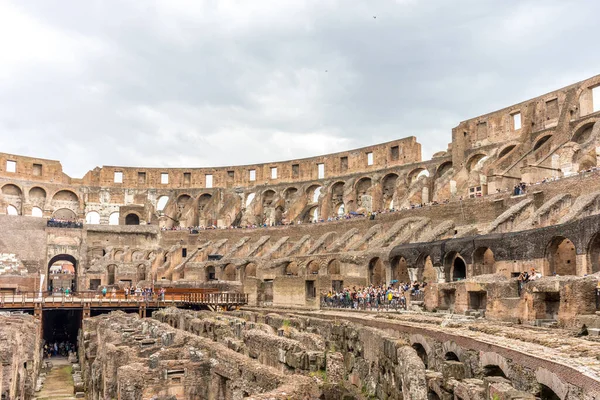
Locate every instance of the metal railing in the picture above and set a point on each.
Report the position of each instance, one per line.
(97, 299)
(216, 298)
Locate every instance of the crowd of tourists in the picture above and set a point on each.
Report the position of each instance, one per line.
(136, 293)
(58, 349)
(373, 297)
(63, 223)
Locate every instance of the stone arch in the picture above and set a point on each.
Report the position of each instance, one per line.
(376, 271)
(312, 268)
(422, 353)
(337, 195)
(63, 257)
(141, 272)
(250, 270)
(561, 256)
(442, 169)
(11, 189)
(493, 364)
(505, 150)
(37, 212)
(203, 201)
(472, 161)
(593, 253)
(137, 255)
(455, 267)
(267, 197)
(483, 261)
(132, 219)
(313, 192)
(583, 133)
(413, 175)
(551, 386)
(290, 192)
(37, 192)
(291, 268)
(65, 195)
(418, 341)
(312, 214)
(183, 201)
(11, 210)
(161, 203)
(452, 352)
(399, 269)
(388, 187)
(540, 142)
(113, 218)
(92, 217)
(64, 213)
(118, 255)
(229, 273)
(333, 267)
(363, 198)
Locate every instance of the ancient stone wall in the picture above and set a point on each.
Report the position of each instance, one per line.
(20, 355)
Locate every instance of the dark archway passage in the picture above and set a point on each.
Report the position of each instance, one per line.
(459, 271)
(422, 353)
(61, 326)
(547, 394)
(561, 257)
(376, 272)
(132, 219)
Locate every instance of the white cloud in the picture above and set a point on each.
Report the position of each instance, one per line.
(208, 83)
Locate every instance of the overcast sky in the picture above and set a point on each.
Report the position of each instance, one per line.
(197, 83)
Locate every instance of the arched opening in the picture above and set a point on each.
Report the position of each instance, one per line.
(455, 268)
(546, 393)
(12, 210)
(37, 193)
(376, 272)
(162, 203)
(399, 270)
(337, 192)
(442, 169)
(493, 370)
(267, 197)
(110, 271)
(92, 218)
(292, 268)
(421, 353)
(229, 273)
(388, 188)
(313, 267)
(506, 150)
(141, 273)
(62, 273)
(290, 193)
(312, 215)
(132, 219)
(583, 134)
(483, 261)
(561, 257)
(64, 214)
(459, 269)
(333, 268)
(313, 192)
(210, 273)
(113, 218)
(415, 174)
(11, 190)
(541, 141)
(250, 270)
(475, 162)
(451, 356)
(250, 198)
(341, 211)
(37, 212)
(594, 253)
